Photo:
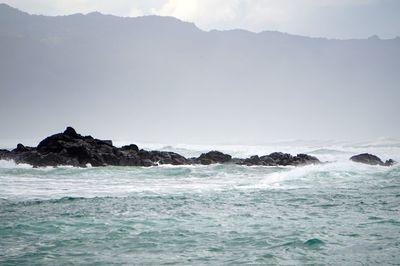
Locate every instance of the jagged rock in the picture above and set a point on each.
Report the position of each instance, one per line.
(143, 154)
(371, 159)
(21, 148)
(130, 155)
(5, 154)
(301, 159)
(253, 160)
(162, 157)
(268, 161)
(213, 157)
(390, 162)
(256, 160)
(131, 147)
(279, 158)
(71, 148)
(71, 132)
(282, 158)
(147, 163)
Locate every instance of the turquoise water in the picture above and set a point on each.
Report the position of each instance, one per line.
(340, 213)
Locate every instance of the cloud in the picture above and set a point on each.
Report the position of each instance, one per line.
(255, 15)
(205, 13)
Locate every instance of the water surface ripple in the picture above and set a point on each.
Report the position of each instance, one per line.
(339, 213)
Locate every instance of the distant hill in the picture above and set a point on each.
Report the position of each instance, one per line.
(160, 79)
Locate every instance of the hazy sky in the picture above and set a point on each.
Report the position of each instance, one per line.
(321, 18)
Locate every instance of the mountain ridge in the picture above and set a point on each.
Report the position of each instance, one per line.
(163, 80)
(6, 7)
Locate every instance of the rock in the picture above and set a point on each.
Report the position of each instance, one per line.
(302, 159)
(129, 155)
(131, 147)
(71, 148)
(71, 132)
(163, 157)
(390, 162)
(279, 158)
(367, 158)
(253, 160)
(214, 157)
(267, 161)
(371, 159)
(238, 161)
(147, 163)
(143, 154)
(256, 160)
(21, 148)
(282, 158)
(5, 154)
(205, 161)
(178, 159)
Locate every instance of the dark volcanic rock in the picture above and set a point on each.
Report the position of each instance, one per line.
(253, 160)
(71, 148)
(390, 162)
(302, 159)
(22, 148)
(213, 157)
(163, 157)
(371, 159)
(86, 150)
(69, 131)
(256, 160)
(131, 147)
(5, 154)
(147, 163)
(279, 158)
(367, 158)
(268, 161)
(282, 158)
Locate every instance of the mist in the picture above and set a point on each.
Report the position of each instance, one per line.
(158, 79)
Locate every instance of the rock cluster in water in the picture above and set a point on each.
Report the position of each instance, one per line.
(371, 159)
(71, 148)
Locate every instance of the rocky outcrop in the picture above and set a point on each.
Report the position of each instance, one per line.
(371, 159)
(279, 158)
(71, 148)
(5, 155)
(213, 157)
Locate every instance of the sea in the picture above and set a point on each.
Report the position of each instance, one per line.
(335, 213)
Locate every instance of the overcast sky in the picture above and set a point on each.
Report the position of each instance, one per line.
(341, 19)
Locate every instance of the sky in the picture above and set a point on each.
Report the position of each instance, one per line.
(338, 19)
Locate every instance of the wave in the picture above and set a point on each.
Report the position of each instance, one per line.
(328, 151)
(11, 164)
(314, 243)
(75, 183)
(41, 201)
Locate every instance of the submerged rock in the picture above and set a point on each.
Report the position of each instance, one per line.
(371, 159)
(71, 148)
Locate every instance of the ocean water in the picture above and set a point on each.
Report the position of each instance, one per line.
(338, 213)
